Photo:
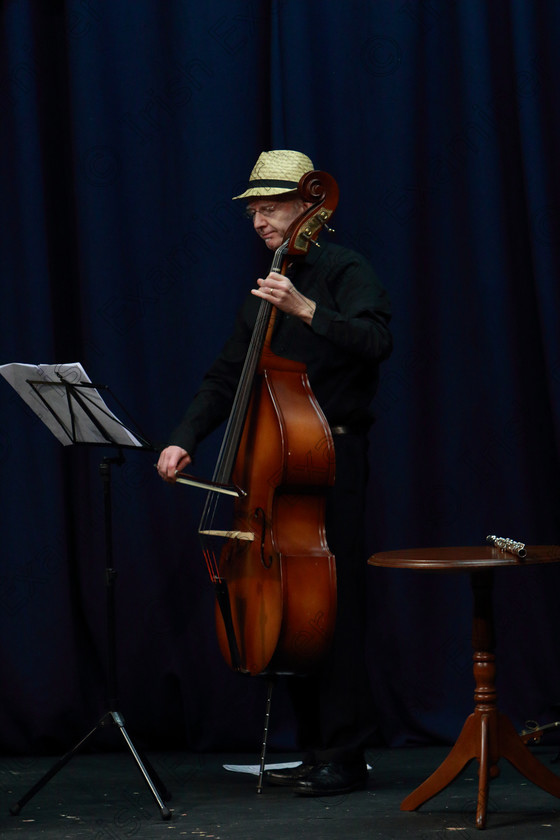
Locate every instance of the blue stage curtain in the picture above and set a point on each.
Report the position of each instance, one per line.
(125, 131)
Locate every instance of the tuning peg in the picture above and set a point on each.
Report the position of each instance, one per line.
(323, 216)
(307, 234)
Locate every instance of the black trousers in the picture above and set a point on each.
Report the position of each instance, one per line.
(333, 704)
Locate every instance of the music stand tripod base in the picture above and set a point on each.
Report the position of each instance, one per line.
(155, 785)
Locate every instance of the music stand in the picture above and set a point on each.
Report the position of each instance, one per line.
(71, 406)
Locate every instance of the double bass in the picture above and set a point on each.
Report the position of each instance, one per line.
(273, 572)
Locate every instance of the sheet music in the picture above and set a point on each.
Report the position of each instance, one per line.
(85, 431)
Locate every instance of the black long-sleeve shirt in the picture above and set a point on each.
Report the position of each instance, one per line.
(342, 347)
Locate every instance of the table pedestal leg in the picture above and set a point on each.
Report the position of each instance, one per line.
(487, 735)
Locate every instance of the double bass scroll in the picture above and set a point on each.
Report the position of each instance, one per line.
(314, 187)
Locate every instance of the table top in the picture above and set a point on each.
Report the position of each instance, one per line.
(456, 558)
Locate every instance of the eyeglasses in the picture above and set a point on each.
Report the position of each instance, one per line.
(267, 211)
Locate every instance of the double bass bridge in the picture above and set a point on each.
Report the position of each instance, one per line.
(229, 535)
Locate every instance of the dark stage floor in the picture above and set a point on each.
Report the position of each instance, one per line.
(104, 796)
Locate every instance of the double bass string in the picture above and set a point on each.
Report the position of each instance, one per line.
(230, 444)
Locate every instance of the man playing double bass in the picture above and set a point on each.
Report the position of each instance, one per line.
(332, 314)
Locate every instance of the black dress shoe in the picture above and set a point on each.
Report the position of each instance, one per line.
(288, 776)
(333, 779)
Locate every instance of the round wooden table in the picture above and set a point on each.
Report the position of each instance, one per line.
(487, 734)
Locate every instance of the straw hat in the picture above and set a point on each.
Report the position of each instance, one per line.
(275, 173)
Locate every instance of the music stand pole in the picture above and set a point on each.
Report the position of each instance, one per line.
(110, 579)
(158, 790)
